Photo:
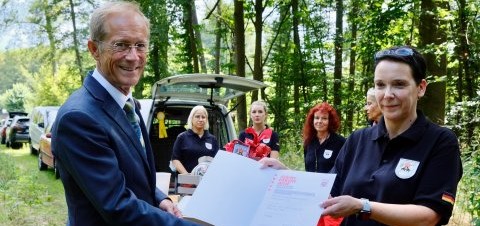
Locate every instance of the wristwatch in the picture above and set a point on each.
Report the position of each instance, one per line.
(366, 210)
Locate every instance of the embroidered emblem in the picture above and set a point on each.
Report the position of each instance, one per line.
(208, 146)
(406, 168)
(327, 153)
(266, 141)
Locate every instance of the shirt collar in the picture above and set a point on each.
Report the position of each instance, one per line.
(414, 132)
(119, 97)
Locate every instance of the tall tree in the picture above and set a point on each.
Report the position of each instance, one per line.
(258, 57)
(218, 37)
(198, 38)
(44, 14)
(337, 74)
(352, 18)
(191, 49)
(76, 47)
(432, 37)
(298, 71)
(240, 59)
(157, 67)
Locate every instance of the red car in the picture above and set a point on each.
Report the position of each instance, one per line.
(3, 130)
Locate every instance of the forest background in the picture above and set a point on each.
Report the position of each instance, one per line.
(307, 51)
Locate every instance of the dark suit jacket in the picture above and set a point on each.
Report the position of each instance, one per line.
(108, 178)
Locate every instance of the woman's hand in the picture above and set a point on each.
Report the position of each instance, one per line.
(341, 206)
(385, 213)
(179, 167)
(271, 162)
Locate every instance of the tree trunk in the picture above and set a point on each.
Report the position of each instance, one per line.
(198, 38)
(337, 74)
(78, 57)
(257, 63)
(240, 60)
(51, 36)
(433, 103)
(298, 73)
(353, 55)
(191, 50)
(218, 38)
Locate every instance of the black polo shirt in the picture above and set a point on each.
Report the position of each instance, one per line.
(189, 147)
(320, 158)
(273, 142)
(421, 166)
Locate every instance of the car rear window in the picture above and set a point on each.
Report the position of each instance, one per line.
(22, 121)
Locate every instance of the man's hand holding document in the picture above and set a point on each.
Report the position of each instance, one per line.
(235, 191)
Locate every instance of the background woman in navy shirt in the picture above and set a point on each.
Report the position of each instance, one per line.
(321, 143)
(194, 143)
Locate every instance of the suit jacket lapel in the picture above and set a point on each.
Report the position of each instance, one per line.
(111, 108)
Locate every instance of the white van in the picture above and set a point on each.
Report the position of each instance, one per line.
(40, 118)
(176, 96)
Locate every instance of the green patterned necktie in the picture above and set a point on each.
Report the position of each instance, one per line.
(134, 120)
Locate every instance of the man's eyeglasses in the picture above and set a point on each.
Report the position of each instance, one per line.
(122, 47)
(401, 52)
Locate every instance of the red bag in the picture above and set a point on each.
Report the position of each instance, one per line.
(258, 149)
(329, 221)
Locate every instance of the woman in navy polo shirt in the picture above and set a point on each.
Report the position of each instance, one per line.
(403, 171)
(258, 113)
(321, 143)
(194, 143)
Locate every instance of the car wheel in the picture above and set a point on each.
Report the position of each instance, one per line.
(57, 173)
(41, 166)
(33, 151)
(16, 145)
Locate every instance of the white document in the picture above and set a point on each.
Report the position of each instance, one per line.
(236, 192)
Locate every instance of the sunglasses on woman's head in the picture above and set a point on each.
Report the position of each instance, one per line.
(401, 52)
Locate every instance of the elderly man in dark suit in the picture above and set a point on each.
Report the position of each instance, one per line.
(102, 151)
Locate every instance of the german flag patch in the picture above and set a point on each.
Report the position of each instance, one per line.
(447, 197)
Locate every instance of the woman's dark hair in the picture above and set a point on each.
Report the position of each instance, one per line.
(309, 131)
(407, 55)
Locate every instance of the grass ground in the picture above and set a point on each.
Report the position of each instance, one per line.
(29, 197)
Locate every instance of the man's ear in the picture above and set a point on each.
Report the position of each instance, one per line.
(94, 50)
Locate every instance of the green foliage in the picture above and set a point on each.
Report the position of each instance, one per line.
(54, 90)
(291, 151)
(12, 68)
(470, 188)
(14, 98)
(464, 119)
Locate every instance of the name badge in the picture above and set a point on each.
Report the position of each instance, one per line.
(208, 146)
(266, 141)
(327, 153)
(406, 168)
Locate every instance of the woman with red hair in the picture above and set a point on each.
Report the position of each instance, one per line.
(321, 143)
